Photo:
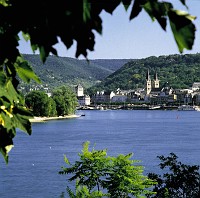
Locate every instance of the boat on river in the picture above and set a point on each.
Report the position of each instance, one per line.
(188, 108)
(154, 107)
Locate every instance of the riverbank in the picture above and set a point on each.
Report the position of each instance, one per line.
(44, 119)
(128, 107)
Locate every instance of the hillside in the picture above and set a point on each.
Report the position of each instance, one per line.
(180, 71)
(111, 64)
(70, 71)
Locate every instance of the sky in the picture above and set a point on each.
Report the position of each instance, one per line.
(135, 39)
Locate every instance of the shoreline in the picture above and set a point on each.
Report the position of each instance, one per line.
(44, 119)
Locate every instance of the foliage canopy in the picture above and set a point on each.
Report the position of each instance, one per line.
(178, 180)
(62, 102)
(111, 176)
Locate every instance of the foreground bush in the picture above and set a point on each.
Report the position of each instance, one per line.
(178, 180)
(99, 175)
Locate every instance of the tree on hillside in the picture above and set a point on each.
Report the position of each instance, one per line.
(42, 22)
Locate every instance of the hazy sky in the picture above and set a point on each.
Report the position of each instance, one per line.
(138, 38)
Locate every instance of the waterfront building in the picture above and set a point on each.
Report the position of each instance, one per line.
(196, 99)
(102, 96)
(83, 100)
(79, 90)
(184, 96)
(196, 86)
(119, 98)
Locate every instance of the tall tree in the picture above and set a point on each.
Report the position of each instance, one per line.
(52, 107)
(42, 22)
(66, 101)
(38, 103)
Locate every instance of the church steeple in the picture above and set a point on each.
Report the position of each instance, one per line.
(155, 81)
(148, 83)
(147, 75)
(155, 76)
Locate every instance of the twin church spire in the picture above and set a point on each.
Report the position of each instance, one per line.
(151, 84)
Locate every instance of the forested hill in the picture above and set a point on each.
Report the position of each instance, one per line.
(70, 71)
(111, 64)
(180, 71)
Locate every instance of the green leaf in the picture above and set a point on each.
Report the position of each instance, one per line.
(34, 47)
(4, 153)
(70, 192)
(182, 28)
(25, 71)
(137, 8)
(6, 142)
(183, 2)
(66, 159)
(86, 10)
(21, 118)
(158, 10)
(126, 4)
(7, 89)
(43, 53)
(5, 3)
(110, 5)
(6, 121)
(26, 36)
(2, 79)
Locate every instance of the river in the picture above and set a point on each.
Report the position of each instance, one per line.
(35, 160)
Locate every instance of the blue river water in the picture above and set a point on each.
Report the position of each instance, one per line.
(35, 160)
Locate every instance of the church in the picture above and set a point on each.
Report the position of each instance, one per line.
(157, 94)
(152, 86)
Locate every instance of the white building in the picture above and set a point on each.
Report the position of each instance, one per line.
(84, 100)
(79, 90)
(196, 86)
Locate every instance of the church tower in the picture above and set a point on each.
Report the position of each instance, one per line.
(79, 90)
(155, 81)
(148, 83)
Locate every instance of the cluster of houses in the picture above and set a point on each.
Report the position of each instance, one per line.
(152, 93)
